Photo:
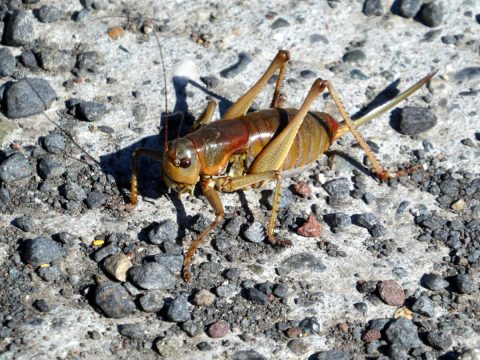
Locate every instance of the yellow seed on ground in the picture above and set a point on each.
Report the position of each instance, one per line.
(116, 33)
(98, 242)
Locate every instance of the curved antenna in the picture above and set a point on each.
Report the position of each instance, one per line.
(163, 119)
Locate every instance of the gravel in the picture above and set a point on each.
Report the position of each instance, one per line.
(24, 223)
(7, 62)
(310, 325)
(15, 167)
(163, 231)
(178, 310)
(464, 284)
(300, 262)
(298, 346)
(117, 266)
(218, 329)
(424, 306)
(151, 275)
(95, 200)
(372, 8)
(73, 191)
(439, 340)
(49, 168)
(41, 250)
(28, 97)
(431, 14)
(152, 301)
(48, 14)
(415, 120)
(91, 111)
(403, 333)
(256, 296)
(338, 189)
(356, 56)
(203, 298)
(54, 143)
(114, 300)
(18, 29)
(408, 8)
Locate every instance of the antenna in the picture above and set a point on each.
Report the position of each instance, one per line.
(163, 119)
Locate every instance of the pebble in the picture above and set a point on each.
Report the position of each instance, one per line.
(280, 290)
(298, 346)
(464, 284)
(95, 200)
(415, 120)
(424, 306)
(73, 191)
(18, 29)
(172, 262)
(24, 223)
(256, 296)
(255, 233)
(54, 143)
(204, 346)
(7, 62)
(227, 291)
(331, 355)
(308, 74)
(286, 199)
(373, 8)
(136, 331)
(371, 335)
(248, 355)
(310, 325)
(243, 60)
(178, 310)
(41, 305)
(302, 188)
(233, 226)
(117, 265)
(338, 189)
(311, 228)
(408, 8)
(49, 168)
(391, 292)
(50, 273)
(338, 221)
(279, 23)
(439, 340)
(41, 250)
(151, 276)
(301, 262)
(403, 332)
(114, 300)
(365, 220)
(91, 111)
(162, 231)
(172, 248)
(356, 56)
(28, 59)
(233, 274)
(15, 167)
(152, 301)
(218, 329)
(87, 61)
(29, 96)
(203, 298)
(192, 328)
(48, 14)
(55, 60)
(431, 14)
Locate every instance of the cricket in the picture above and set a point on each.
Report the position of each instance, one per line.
(247, 149)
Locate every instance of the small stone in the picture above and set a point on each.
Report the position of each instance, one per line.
(178, 310)
(361, 307)
(204, 346)
(285, 200)
(48, 14)
(365, 220)
(298, 346)
(301, 262)
(114, 300)
(415, 120)
(458, 205)
(14, 168)
(233, 274)
(218, 329)
(28, 59)
(192, 328)
(50, 273)
(18, 29)
(308, 74)
(338, 189)
(172, 262)
(136, 331)
(373, 8)
(152, 301)
(41, 250)
(41, 305)
(54, 143)
(439, 340)
(310, 325)
(95, 200)
(371, 335)
(29, 96)
(24, 223)
(256, 296)
(404, 332)
(243, 60)
(433, 282)
(338, 220)
(55, 60)
(255, 232)
(312, 228)
(280, 290)
(378, 231)
(91, 111)
(151, 276)
(49, 168)
(248, 355)
(408, 8)
(117, 265)
(424, 306)
(279, 23)
(233, 226)
(431, 14)
(87, 61)
(302, 188)
(464, 284)
(7, 62)
(331, 355)
(391, 292)
(356, 56)
(294, 332)
(203, 298)
(73, 191)
(162, 231)
(172, 248)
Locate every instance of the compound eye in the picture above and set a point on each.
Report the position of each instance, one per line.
(185, 163)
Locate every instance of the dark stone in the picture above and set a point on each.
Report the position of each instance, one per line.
(464, 284)
(91, 111)
(310, 325)
(18, 29)
(402, 331)
(29, 96)
(365, 220)
(301, 262)
(163, 231)
(280, 290)
(248, 355)
(357, 56)
(41, 305)
(256, 296)
(95, 200)
(73, 191)
(54, 143)
(415, 120)
(87, 61)
(424, 306)
(338, 189)
(279, 23)
(15, 167)
(372, 8)
(439, 340)
(50, 273)
(408, 8)
(24, 223)
(28, 59)
(151, 276)
(49, 167)
(41, 250)
(431, 14)
(114, 300)
(178, 310)
(55, 60)
(7, 62)
(152, 301)
(331, 355)
(48, 14)
(172, 262)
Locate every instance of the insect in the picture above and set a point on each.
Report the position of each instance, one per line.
(248, 149)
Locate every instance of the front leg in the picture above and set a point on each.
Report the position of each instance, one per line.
(212, 196)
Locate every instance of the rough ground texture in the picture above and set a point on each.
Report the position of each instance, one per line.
(394, 270)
